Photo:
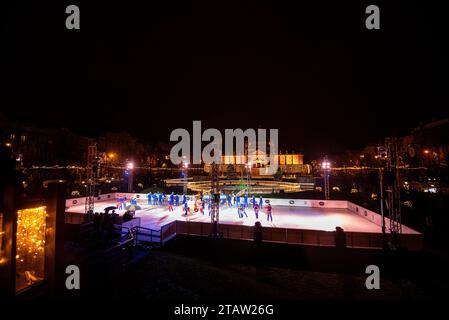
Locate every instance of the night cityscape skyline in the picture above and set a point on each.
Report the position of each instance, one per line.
(168, 67)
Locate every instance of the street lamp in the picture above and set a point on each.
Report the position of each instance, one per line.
(185, 167)
(248, 178)
(129, 170)
(326, 167)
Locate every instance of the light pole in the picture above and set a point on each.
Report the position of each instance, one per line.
(326, 167)
(248, 178)
(129, 170)
(185, 167)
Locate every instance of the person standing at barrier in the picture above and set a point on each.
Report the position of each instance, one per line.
(177, 200)
(229, 200)
(269, 213)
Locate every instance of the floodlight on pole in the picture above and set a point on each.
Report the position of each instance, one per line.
(129, 170)
(185, 167)
(326, 167)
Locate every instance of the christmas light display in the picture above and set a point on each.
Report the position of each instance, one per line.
(30, 255)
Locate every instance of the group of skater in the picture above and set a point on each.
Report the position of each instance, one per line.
(201, 203)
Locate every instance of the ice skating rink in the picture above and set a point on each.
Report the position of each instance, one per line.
(325, 219)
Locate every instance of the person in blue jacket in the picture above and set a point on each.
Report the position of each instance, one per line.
(184, 199)
(177, 200)
(245, 201)
(160, 199)
(237, 201)
(223, 198)
(229, 200)
(149, 198)
(253, 201)
(154, 199)
(260, 202)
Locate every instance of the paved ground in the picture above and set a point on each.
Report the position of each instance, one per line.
(298, 218)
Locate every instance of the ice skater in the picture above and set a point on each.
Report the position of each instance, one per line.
(223, 199)
(170, 206)
(253, 201)
(237, 201)
(242, 212)
(203, 204)
(124, 202)
(256, 210)
(245, 201)
(229, 200)
(186, 209)
(177, 200)
(260, 202)
(154, 199)
(160, 199)
(269, 214)
(172, 198)
(119, 203)
(184, 199)
(149, 198)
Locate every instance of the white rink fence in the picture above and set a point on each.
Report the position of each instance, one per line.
(412, 241)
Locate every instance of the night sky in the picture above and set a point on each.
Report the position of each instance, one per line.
(311, 70)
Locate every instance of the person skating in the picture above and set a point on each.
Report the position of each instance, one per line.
(149, 198)
(269, 213)
(160, 199)
(203, 204)
(222, 198)
(155, 199)
(256, 210)
(260, 202)
(177, 200)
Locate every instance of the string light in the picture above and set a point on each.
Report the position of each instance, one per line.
(30, 256)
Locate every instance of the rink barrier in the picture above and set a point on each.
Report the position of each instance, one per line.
(291, 236)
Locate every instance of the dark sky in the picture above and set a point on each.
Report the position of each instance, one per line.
(311, 70)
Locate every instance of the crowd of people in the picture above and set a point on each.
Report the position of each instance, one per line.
(203, 203)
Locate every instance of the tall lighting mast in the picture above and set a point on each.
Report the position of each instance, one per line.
(326, 167)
